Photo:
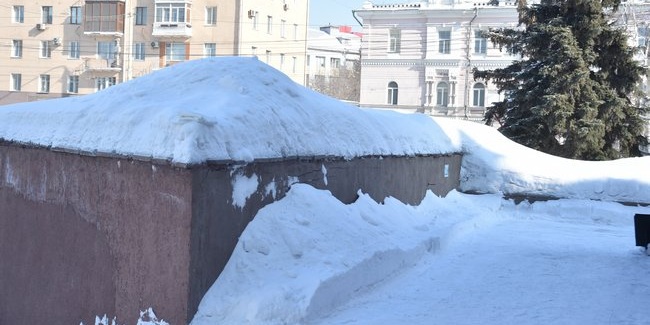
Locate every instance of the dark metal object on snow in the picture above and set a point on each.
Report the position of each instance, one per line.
(642, 229)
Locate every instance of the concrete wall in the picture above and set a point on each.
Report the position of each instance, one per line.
(82, 236)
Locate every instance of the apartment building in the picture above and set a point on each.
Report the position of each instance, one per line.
(333, 58)
(59, 48)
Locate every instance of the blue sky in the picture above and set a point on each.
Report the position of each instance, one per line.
(334, 12)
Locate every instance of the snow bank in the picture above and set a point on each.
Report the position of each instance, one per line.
(309, 253)
(494, 164)
(218, 109)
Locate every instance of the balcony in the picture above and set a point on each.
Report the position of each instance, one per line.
(101, 65)
(104, 17)
(172, 30)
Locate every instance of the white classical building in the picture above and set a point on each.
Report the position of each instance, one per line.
(420, 56)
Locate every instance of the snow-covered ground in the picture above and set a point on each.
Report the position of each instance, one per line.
(310, 259)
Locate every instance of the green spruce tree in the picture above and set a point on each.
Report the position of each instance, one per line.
(570, 93)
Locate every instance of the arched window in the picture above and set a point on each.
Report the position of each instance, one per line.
(479, 95)
(442, 91)
(392, 93)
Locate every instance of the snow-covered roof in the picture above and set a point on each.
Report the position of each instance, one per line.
(218, 109)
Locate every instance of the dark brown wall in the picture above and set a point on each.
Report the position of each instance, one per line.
(83, 236)
(217, 223)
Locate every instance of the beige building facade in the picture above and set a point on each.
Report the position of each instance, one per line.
(60, 48)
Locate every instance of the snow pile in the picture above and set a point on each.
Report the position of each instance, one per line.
(218, 109)
(494, 164)
(308, 253)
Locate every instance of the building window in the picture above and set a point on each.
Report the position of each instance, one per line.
(172, 12)
(392, 93)
(209, 49)
(16, 81)
(46, 14)
(444, 42)
(283, 27)
(335, 63)
(140, 16)
(294, 64)
(442, 94)
(255, 22)
(479, 95)
(281, 61)
(104, 82)
(74, 50)
(46, 50)
(104, 16)
(44, 83)
(320, 60)
(17, 48)
(73, 84)
(269, 25)
(295, 32)
(139, 51)
(254, 51)
(211, 15)
(268, 57)
(643, 34)
(19, 14)
(106, 50)
(75, 15)
(175, 51)
(394, 40)
(480, 43)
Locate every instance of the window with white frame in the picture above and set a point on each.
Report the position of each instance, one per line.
(281, 61)
(17, 48)
(444, 41)
(283, 27)
(210, 15)
(139, 51)
(295, 32)
(479, 95)
(268, 57)
(44, 83)
(18, 14)
(294, 64)
(16, 81)
(73, 84)
(209, 49)
(106, 50)
(320, 61)
(442, 94)
(172, 12)
(394, 40)
(46, 50)
(140, 16)
(104, 82)
(255, 21)
(480, 42)
(46, 14)
(74, 50)
(75, 15)
(392, 93)
(269, 25)
(254, 51)
(335, 63)
(175, 51)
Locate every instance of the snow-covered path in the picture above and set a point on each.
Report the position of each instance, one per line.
(561, 262)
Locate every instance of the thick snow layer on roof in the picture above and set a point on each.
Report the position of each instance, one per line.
(218, 109)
